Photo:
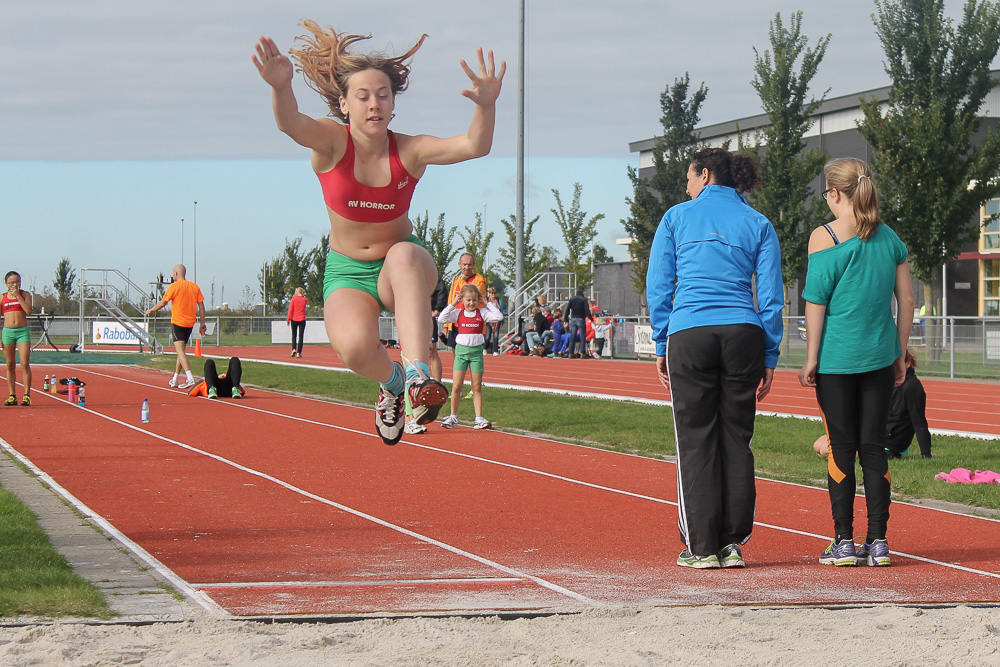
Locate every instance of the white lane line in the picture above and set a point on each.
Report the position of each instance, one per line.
(344, 508)
(351, 584)
(570, 480)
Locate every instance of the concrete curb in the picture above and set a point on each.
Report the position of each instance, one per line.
(134, 590)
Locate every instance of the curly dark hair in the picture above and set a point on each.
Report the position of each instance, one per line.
(733, 170)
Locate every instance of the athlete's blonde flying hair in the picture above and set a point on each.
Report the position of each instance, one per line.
(327, 65)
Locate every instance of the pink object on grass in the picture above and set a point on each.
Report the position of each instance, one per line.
(965, 476)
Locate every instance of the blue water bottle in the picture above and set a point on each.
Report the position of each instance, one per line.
(81, 395)
(145, 411)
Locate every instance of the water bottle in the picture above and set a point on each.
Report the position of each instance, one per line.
(53, 384)
(145, 411)
(71, 394)
(82, 396)
(45, 384)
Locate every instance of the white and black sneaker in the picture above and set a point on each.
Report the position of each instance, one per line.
(390, 415)
(413, 428)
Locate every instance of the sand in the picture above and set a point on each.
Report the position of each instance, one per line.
(856, 637)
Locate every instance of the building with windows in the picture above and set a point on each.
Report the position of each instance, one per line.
(969, 285)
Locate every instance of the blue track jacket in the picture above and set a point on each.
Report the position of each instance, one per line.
(704, 255)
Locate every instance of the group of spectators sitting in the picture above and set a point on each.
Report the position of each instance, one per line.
(578, 333)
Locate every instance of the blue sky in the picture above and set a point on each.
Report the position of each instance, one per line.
(117, 115)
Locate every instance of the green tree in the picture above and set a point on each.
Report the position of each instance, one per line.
(668, 184)
(931, 178)
(601, 255)
(787, 169)
(440, 242)
(475, 241)
(578, 232)
(279, 277)
(536, 260)
(64, 281)
(315, 274)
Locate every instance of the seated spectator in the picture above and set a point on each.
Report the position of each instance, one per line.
(547, 335)
(906, 415)
(539, 325)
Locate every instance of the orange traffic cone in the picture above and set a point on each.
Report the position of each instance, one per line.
(197, 347)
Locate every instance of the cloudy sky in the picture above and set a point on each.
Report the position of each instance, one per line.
(117, 115)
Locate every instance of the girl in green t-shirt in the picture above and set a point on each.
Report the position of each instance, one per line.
(855, 350)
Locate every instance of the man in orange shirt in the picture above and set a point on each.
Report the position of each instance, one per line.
(467, 276)
(188, 303)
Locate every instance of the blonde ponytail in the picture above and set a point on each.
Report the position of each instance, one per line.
(853, 178)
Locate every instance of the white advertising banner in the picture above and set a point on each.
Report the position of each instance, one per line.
(643, 341)
(315, 332)
(113, 333)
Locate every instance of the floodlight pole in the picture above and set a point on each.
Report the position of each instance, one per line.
(519, 231)
(196, 242)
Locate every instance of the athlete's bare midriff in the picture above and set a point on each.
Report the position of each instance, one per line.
(366, 241)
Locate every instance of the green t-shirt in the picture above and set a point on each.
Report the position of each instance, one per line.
(855, 281)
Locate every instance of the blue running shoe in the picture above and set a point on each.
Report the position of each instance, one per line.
(841, 554)
(688, 559)
(876, 553)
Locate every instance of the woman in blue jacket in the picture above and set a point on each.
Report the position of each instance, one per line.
(716, 348)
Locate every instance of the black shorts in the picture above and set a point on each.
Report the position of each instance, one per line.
(181, 333)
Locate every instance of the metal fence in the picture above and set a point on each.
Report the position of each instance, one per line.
(944, 346)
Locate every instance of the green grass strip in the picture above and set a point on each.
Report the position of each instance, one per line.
(782, 446)
(35, 580)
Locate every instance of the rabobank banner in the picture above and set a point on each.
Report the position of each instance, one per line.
(113, 333)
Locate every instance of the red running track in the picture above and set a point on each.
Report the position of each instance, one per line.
(283, 505)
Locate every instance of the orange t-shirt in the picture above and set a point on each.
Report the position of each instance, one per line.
(184, 297)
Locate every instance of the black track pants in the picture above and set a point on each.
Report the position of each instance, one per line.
(855, 411)
(714, 374)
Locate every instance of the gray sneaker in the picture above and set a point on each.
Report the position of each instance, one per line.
(688, 559)
(731, 556)
(875, 554)
(841, 554)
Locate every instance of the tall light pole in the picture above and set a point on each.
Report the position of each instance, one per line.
(182, 240)
(519, 202)
(486, 251)
(196, 242)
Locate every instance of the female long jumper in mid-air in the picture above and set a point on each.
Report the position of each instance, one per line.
(368, 174)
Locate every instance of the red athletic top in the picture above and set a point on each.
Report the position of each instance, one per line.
(471, 324)
(365, 203)
(10, 305)
(297, 309)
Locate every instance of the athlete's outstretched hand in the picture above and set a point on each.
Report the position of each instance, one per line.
(486, 84)
(274, 66)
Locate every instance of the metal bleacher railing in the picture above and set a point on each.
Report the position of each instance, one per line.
(112, 292)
